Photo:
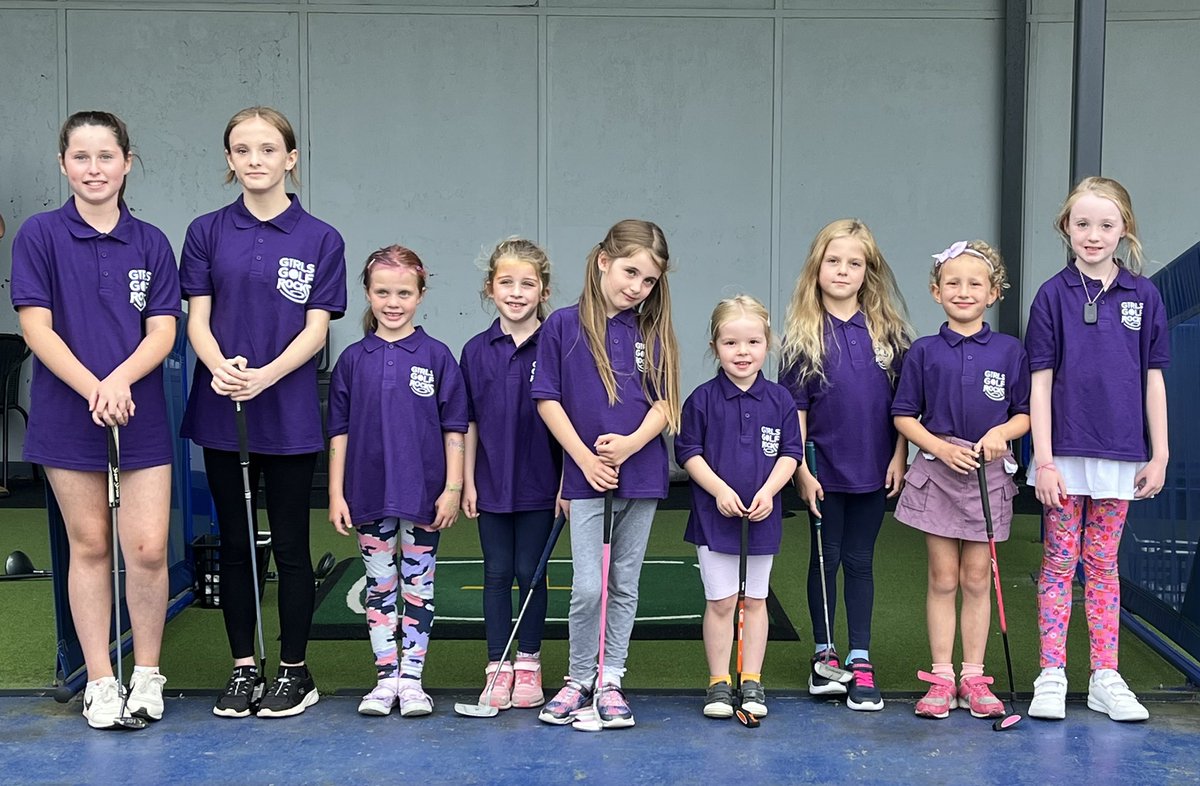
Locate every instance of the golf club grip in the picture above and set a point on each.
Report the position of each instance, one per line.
(114, 468)
(745, 550)
(555, 531)
(243, 439)
(810, 459)
(608, 516)
(981, 471)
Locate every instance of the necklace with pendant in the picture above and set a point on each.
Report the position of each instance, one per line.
(1090, 311)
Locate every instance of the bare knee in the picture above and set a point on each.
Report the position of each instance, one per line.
(723, 607)
(975, 579)
(943, 580)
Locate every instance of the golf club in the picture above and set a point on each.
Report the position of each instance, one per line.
(589, 719)
(823, 667)
(480, 709)
(746, 718)
(20, 566)
(259, 688)
(1012, 718)
(124, 720)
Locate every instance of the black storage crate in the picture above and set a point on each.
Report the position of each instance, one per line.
(207, 552)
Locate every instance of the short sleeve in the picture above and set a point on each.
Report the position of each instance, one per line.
(1160, 335)
(909, 400)
(163, 299)
(31, 283)
(195, 261)
(1019, 390)
(339, 395)
(329, 285)
(790, 443)
(451, 394)
(689, 442)
(1041, 341)
(464, 368)
(547, 374)
(790, 379)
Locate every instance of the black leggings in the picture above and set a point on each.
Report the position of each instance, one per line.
(288, 486)
(850, 526)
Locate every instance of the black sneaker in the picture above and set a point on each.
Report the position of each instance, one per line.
(292, 692)
(863, 693)
(754, 698)
(718, 701)
(820, 686)
(242, 693)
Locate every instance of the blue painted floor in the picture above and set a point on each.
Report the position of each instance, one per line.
(802, 741)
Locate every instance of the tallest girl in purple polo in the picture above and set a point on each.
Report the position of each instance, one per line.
(263, 278)
(97, 295)
(1097, 342)
(607, 384)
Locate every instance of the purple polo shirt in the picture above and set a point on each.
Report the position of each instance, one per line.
(517, 464)
(101, 289)
(962, 386)
(395, 400)
(566, 373)
(740, 434)
(263, 277)
(849, 418)
(1099, 393)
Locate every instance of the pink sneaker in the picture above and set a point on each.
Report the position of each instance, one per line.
(939, 700)
(501, 697)
(527, 688)
(975, 695)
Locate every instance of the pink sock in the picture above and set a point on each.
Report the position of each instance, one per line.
(944, 670)
(972, 670)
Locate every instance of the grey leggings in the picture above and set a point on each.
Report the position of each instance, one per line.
(631, 530)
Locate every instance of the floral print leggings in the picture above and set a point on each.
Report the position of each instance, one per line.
(1100, 522)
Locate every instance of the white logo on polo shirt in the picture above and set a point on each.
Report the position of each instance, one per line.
(532, 372)
(1131, 314)
(295, 279)
(139, 285)
(639, 356)
(770, 441)
(881, 359)
(993, 385)
(420, 380)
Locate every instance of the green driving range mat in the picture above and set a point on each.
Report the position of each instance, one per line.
(670, 601)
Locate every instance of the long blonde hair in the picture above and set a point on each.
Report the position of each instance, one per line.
(1113, 191)
(879, 298)
(625, 239)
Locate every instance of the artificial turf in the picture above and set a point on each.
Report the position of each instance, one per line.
(195, 652)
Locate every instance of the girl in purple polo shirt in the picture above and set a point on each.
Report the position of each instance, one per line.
(513, 465)
(963, 395)
(263, 279)
(1097, 341)
(843, 343)
(397, 415)
(97, 295)
(607, 384)
(740, 443)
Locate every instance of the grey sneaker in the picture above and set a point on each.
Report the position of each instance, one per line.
(754, 698)
(718, 701)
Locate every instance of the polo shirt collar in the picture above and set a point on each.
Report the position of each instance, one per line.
(284, 222)
(1124, 279)
(410, 343)
(496, 333)
(730, 390)
(628, 317)
(954, 339)
(84, 231)
(858, 320)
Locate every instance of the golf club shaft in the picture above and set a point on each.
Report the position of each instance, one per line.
(114, 502)
(810, 457)
(244, 460)
(981, 471)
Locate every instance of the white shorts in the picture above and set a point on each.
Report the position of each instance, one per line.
(719, 574)
(1095, 477)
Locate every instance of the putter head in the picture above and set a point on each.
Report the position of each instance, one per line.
(127, 723)
(1007, 722)
(747, 719)
(476, 710)
(830, 672)
(587, 720)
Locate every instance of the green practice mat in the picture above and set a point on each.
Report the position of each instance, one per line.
(670, 601)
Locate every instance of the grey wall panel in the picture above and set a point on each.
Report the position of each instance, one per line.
(29, 179)
(670, 120)
(664, 4)
(1152, 90)
(902, 130)
(1117, 8)
(900, 7)
(424, 133)
(434, 3)
(176, 79)
(1048, 151)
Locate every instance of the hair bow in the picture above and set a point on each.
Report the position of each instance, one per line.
(957, 250)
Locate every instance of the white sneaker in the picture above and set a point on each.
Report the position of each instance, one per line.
(102, 703)
(146, 695)
(380, 700)
(1049, 695)
(1109, 694)
(413, 699)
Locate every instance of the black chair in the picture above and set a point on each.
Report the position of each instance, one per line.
(13, 352)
